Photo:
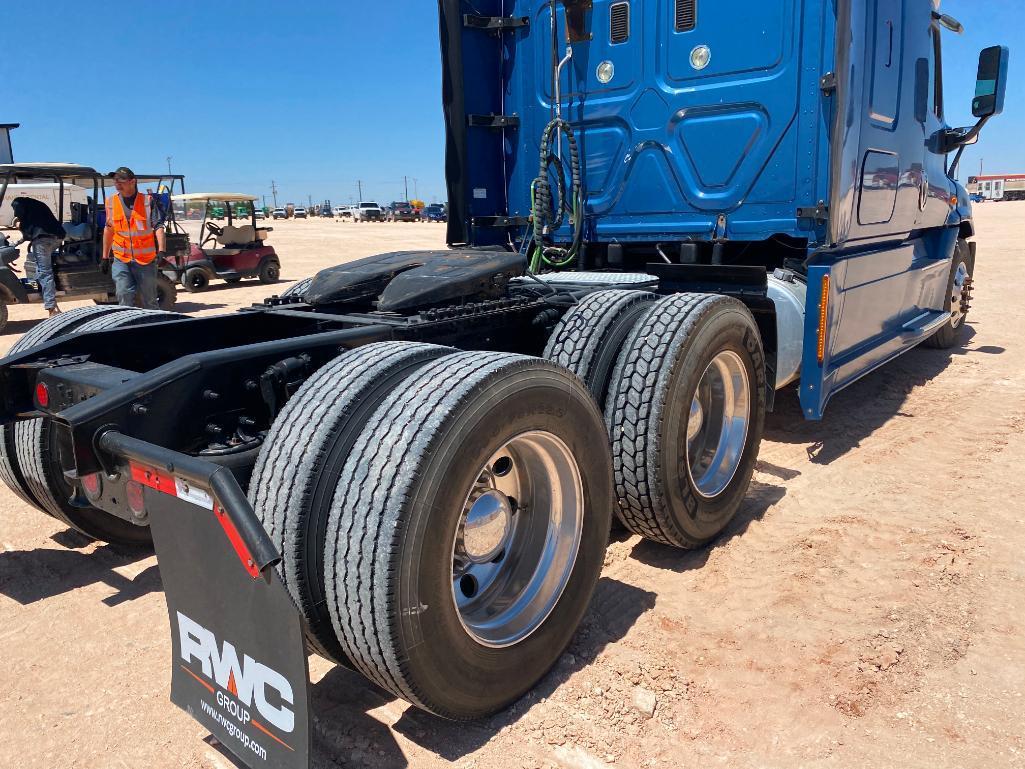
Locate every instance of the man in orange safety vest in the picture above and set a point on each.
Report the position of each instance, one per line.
(135, 237)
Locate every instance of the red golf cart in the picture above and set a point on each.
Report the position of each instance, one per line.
(232, 251)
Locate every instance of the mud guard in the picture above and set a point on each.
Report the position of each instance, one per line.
(239, 658)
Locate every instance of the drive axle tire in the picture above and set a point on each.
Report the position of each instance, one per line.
(468, 530)
(959, 287)
(298, 466)
(38, 458)
(685, 413)
(589, 337)
(51, 328)
(196, 280)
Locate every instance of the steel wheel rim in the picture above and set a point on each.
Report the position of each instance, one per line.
(517, 539)
(957, 295)
(717, 424)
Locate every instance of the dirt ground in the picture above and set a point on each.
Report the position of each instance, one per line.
(865, 609)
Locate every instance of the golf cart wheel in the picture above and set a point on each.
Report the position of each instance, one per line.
(589, 337)
(468, 530)
(270, 271)
(297, 470)
(685, 412)
(37, 454)
(956, 302)
(167, 293)
(196, 279)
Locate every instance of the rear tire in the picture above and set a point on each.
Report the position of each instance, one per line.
(51, 328)
(38, 457)
(196, 280)
(298, 466)
(167, 294)
(400, 519)
(589, 337)
(959, 285)
(270, 271)
(684, 457)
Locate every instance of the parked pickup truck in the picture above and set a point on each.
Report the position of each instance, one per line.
(402, 211)
(368, 212)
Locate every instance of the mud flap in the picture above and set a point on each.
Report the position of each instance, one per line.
(239, 663)
(239, 659)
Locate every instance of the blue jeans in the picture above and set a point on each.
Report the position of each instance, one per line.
(131, 278)
(41, 252)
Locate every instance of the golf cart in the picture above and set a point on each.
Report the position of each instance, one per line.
(232, 252)
(79, 272)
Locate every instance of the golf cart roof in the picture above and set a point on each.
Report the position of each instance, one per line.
(224, 197)
(61, 170)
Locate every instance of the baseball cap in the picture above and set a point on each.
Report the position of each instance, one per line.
(124, 173)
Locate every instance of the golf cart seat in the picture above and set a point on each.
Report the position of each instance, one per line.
(237, 236)
(77, 232)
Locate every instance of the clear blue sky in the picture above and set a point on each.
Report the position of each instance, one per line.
(312, 95)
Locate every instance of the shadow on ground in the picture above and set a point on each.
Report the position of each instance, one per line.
(346, 735)
(859, 410)
(27, 576)
(760, 497)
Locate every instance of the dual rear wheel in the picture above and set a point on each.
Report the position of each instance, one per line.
(442, 516)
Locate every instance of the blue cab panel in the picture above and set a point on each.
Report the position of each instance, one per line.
(811, 123)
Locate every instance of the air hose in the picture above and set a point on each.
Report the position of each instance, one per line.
(548, 214)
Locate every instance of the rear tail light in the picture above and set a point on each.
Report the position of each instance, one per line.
(42, 395)
(93, 485)
(136, 502)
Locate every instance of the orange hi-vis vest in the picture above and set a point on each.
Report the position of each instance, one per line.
(134, 239)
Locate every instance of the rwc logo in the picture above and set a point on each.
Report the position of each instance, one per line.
(247, 680)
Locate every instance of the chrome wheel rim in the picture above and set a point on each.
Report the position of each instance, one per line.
(517, 539)
(958, 298)
(717, 424)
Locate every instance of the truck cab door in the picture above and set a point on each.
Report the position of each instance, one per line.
(877, 289)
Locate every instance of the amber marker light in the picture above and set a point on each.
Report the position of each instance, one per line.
(823, 312)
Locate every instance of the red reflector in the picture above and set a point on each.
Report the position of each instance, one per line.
(42, 395)
(236, 542)
(136, 502)
(93, 485)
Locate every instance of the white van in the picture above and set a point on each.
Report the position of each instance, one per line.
(46, 192)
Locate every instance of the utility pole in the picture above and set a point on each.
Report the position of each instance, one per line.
(264, 200)
(405, 184)
(274, 192)
(416, 188)
(309, 199)
(359, 188)
(169, 158)
(980, 166)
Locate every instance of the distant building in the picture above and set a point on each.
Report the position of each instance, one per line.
(998, 186)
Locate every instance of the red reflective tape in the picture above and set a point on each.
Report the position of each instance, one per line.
(236, 542)
(150, 476)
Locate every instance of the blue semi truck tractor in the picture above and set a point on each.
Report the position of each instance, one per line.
(408, 464)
